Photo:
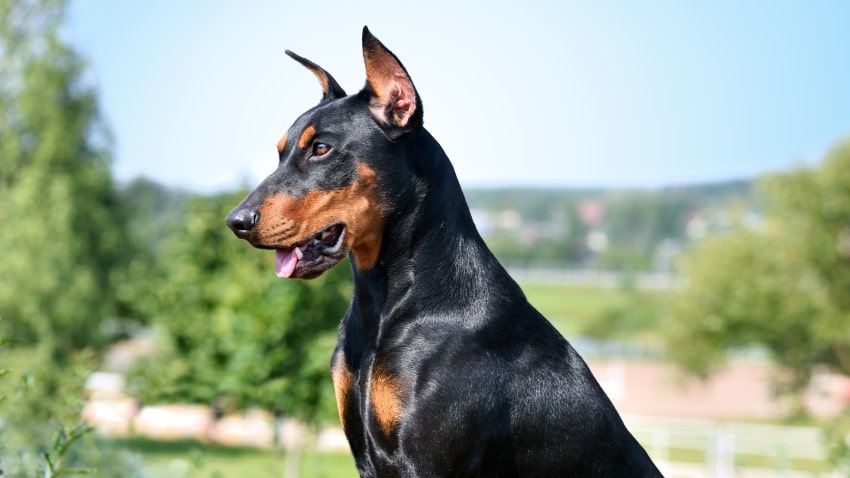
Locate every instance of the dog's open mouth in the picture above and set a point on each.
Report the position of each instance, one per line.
(311, 257)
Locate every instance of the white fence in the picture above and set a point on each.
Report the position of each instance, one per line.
(694, 448)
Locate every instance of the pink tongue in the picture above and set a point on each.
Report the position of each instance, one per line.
(284, 262)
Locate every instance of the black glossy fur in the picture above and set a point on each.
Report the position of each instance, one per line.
(478, 383)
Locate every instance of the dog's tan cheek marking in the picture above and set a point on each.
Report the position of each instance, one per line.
(357, 206)
(275, 223)
(282, 143)
(385, 397)
(285, 220)
(297, 217)
(342, 379)
(306, 137)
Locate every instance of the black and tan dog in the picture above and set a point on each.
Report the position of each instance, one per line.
(443, 368)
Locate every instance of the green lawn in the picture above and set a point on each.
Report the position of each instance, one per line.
(570, 308)
(187, 459)
(621, 313)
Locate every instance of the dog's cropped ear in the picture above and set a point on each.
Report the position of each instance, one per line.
(393, 99)
(330, 88)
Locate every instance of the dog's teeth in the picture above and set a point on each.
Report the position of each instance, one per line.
(298, 253)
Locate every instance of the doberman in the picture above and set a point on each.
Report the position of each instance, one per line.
(442, 368)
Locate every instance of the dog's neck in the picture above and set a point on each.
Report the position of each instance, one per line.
(430, 246)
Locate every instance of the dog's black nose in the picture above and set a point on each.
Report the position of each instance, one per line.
(241, 220)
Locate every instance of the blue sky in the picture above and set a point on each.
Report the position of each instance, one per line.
(530, 93)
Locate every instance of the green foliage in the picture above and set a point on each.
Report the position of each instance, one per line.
(63, 231)
(53, 460)
(79, 251)
(61, 241)
(781, 286)
(838, 434)
(62, 235)
(153, 215)
(233, 334)
(58, 388)
(41, 434)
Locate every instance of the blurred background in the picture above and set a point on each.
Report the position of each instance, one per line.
(669, 183)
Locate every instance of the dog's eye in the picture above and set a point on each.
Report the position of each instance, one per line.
(320, 149)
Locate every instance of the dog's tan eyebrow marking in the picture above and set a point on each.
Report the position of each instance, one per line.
(306, 136)
(282, 143)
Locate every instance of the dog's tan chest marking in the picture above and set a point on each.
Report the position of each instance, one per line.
(385, 399)
(342, 379)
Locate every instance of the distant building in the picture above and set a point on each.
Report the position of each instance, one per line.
(591, 212)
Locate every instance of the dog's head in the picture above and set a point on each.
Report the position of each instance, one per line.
(339, 163)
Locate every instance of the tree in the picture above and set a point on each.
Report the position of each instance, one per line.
(234, 335)
(153, 213)
(60, 240)
(782, 285)
(60, 236)
(62, 231)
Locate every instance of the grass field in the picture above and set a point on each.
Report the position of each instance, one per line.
(609, 313)
(571, 308)
(187, 459)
